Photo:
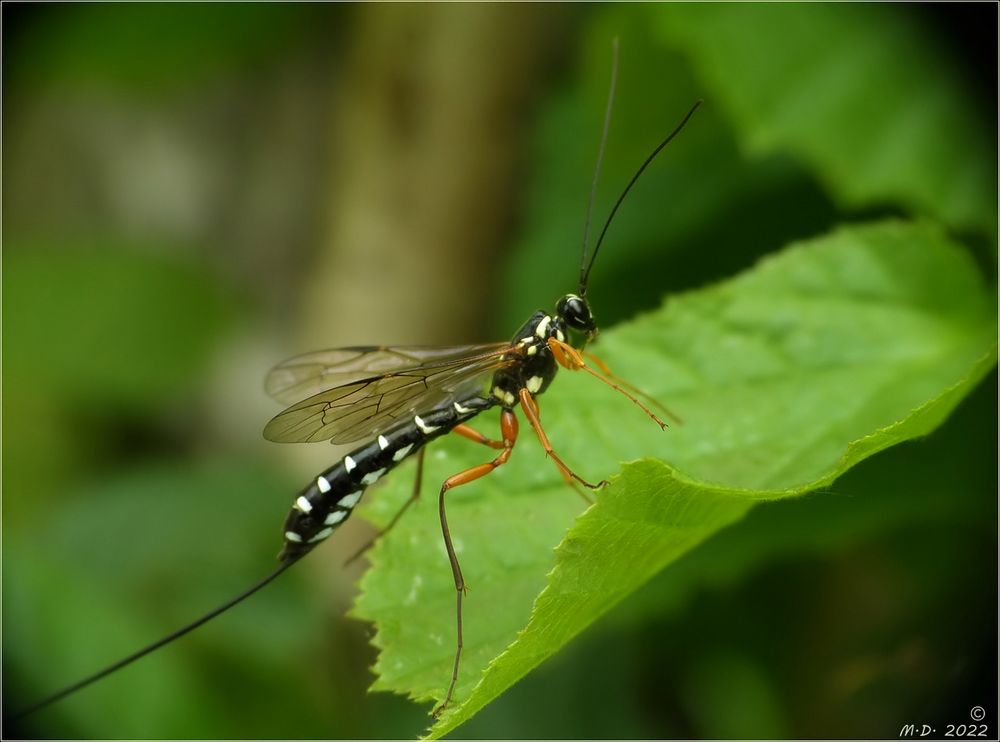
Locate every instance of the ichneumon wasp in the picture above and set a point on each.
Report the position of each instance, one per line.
(396, 400)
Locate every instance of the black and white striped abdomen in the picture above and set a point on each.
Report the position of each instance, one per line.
(330, 498)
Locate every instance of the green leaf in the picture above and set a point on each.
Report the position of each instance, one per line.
(861, 93)
(906, 487)
(785, 377)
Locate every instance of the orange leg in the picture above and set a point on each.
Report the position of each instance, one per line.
(463, 430)
(508, 428)
(530, 407)
(567, 475)
(579, 490)
(569, 357)
(634, 389)
(474, 435)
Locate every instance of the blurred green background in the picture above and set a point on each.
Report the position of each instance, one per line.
(194, 192)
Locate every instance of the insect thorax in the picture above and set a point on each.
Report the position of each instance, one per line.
(536, 367)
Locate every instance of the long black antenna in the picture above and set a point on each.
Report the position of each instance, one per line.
(600, 156)
(585, 274)
(79, 685)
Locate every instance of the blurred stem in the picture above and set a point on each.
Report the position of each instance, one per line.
(432, 112)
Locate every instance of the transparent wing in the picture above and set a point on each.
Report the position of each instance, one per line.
(311, 373)
(358, 408)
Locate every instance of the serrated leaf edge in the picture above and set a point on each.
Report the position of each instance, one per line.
(855, 452)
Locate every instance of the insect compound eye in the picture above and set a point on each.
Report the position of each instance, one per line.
(575, 311)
